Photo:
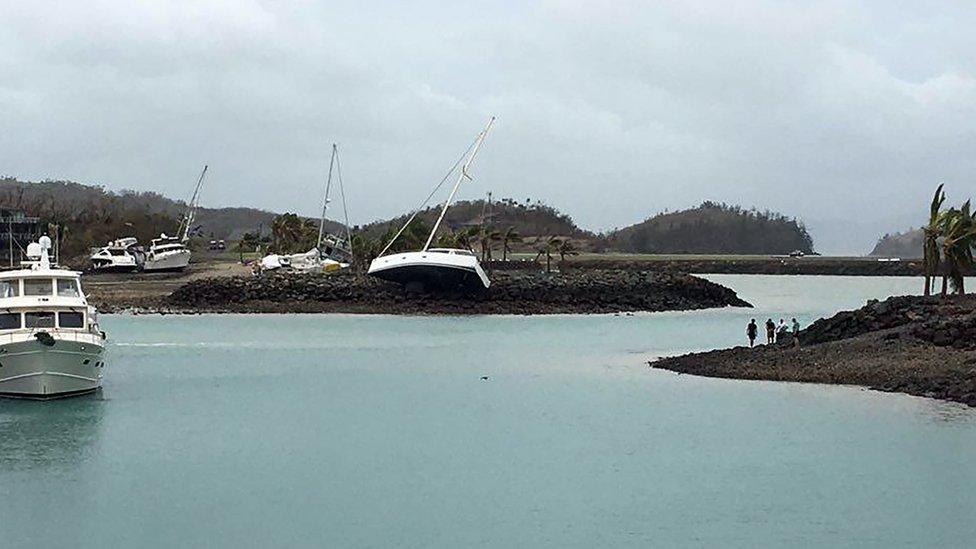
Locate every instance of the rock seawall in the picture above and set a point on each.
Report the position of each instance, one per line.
(590, 291)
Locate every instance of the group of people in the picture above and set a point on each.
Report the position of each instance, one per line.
(774, 334)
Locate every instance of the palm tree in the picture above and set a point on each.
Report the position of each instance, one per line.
(509, 237)
(547, 247)
(565, 248)
(959, 236)
(487, 236)
(932, 232)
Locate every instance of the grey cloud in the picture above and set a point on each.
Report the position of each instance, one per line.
(844, 114)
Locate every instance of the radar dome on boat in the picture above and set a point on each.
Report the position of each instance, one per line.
(34, 250)
(45, 242)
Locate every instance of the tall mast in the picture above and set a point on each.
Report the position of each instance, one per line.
(325, 201)
(461, 177)
(191, 208)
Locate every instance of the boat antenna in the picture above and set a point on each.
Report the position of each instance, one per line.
(461, 176)
(429, 196)
(191, 209)
(325, 201)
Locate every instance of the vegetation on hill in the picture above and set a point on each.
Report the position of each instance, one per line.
(91, 216)
(87, 216)
(714, 229)
(528, 218)
(907, 244)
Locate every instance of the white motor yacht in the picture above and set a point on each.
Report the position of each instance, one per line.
(122, 255)
(50, 342)
(436, 268)
(170, 253)
(167, 253)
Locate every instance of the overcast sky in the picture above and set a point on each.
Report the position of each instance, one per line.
(844, 114)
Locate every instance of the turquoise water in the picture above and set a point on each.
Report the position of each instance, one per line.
(373, 431)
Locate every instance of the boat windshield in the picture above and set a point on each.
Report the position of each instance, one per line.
(71, 319)
(451, 251)
(37, 286)
(10, 321)
(68, 287)
(9, 288)
(168, 248)
(39, 319)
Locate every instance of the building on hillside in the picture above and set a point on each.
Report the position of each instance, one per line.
(17, 230)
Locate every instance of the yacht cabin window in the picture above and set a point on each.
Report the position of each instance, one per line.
(9, 288)
(9, 321)
(37, 286)
(70, 320)
(67, 287)
(39, 319)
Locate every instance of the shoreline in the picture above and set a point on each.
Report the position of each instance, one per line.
(919, 346)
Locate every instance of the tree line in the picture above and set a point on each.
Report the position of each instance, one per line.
(714, 228)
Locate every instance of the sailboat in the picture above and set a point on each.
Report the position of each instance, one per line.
(170, 253)
(435, 269)
(331, 252)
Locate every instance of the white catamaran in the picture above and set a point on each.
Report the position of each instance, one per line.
(331, 252)
(50, 342)
(436, 268)
(170, 253)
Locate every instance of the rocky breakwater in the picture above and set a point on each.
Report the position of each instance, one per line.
(924, 346)
(590, 291)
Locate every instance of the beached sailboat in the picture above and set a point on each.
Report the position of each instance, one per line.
(170, 253)
(331, 252)
(50, 342)
(435, 269)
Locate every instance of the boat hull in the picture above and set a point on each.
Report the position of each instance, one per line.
(31, 369)
(432, 271)
(113, 267)
(172, 261)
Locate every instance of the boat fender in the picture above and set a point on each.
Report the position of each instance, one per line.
(45, 338)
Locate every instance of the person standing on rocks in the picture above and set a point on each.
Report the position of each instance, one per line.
(752, 331)
(781, 331)
(770, 332)
(796, 332)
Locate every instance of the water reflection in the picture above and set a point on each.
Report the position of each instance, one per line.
(51, 434)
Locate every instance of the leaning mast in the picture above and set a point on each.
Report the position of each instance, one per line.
(461, 177)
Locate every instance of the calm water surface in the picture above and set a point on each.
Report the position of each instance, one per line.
(372, 431)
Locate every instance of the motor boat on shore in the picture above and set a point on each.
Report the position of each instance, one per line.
(122, 255)
(331, 253)
(170, 253)
(436, 269)
(167, 253)
(50, 342)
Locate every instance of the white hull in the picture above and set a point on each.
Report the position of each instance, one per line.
(168, 261)
(116, 264)
(30, 369)
(432, 270)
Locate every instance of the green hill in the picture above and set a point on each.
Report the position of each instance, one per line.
(713, 229)
(907, 244)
